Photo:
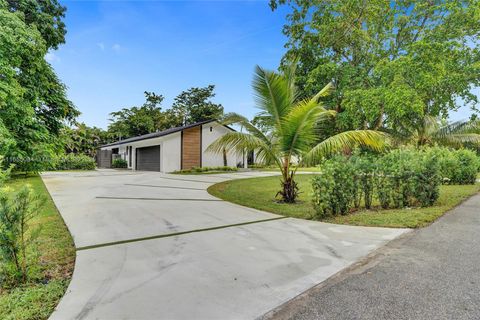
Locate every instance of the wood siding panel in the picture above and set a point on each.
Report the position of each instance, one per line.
(191, 143)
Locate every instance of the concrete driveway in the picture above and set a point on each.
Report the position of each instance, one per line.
(158, 246)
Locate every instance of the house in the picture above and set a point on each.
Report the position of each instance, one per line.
(172, 149)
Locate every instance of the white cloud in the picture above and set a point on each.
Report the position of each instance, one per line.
(101, 45)
(51, 57)
(116, 47)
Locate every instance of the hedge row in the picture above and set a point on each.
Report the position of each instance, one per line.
(72, 162)
(400, 178)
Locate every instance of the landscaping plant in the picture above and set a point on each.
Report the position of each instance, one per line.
(17, 235)
(288, 131)
(401, 178)
(119, 163)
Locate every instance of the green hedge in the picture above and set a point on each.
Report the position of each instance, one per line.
(400, 178)
(119, 163)
(72, 161)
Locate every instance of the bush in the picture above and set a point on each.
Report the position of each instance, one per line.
(73, 161)
(119, 163)
(466, 170)
(334, 189)
(17, 240)
(401, 178)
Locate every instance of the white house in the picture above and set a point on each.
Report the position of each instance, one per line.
(173, 149)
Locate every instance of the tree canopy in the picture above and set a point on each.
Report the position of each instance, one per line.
(392, 62)
(33, 102)
(190, 106)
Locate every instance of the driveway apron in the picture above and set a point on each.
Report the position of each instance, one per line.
(158, 246)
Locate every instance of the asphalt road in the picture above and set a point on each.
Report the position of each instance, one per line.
(431, 273)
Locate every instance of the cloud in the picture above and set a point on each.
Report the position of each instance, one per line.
(101, 45)
(116, 47)
(51, 57)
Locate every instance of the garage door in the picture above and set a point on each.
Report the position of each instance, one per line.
(148, 158)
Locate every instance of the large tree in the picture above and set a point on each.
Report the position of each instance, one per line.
(136, 121)
(194, 105)
(392, 62)
(33, 103)
(289, 128)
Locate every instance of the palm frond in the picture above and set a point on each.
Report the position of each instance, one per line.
(235, 118)
(375, 140)
(272, 94)
(240, 142)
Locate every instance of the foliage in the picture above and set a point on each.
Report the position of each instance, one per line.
(83, 139)
(258, 193)
(206, 169)
(429, 131)
(190, 106)
(194, 105)
(33, 101)
(17, 236)
(467, 168)
(398, 179)
(289, 128)
(334, 188)
(456, 166)
(119, 163)
(136, 121)
(392, 62)
(50, 277)
(33, 302)
(72, 162)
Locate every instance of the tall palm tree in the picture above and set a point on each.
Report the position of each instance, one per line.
(291, 128)
(433, 131)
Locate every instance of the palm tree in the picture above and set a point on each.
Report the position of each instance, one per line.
(291, 128)
(433, 131)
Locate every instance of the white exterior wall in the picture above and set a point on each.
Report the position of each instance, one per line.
(171, 153)
(211, 159)
(170, 150)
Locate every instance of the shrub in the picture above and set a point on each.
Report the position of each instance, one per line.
(73, 161)
(16, 237)
(466, 170)
(119, 163)
(334, 188)
(400, 178)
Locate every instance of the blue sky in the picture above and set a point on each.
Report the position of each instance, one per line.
(116, 50)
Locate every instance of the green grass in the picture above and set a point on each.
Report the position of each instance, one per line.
(259, 193)
(301, 169)
(38, 299)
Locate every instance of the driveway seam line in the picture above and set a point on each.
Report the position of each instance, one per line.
(156, 186)
(167, 235)
(157, 199)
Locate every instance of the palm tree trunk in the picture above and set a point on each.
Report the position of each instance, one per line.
(289, 187)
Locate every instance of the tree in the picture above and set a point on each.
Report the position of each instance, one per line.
(33, 103)
(291, 123)
(83, 139)
(136, 121)
(194, 105)
(433, 131)
(392, 62)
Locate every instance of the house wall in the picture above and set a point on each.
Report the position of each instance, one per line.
(171, 148)
(210, 159)
(191, 153)
(170, 153)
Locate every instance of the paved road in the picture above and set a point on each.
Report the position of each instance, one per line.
(432, 273)
(156, 246)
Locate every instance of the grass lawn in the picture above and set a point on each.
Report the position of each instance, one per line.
(57, 256)
(259, 193)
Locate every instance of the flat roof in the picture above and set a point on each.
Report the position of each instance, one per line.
(160, 133)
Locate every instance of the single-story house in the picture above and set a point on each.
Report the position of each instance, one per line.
(172, 149)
